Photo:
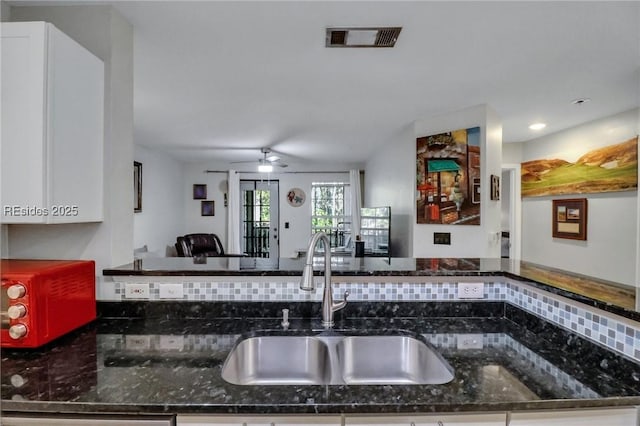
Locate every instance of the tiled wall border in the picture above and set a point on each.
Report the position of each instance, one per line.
(617, 333)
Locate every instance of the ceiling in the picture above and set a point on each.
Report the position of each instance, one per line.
(213, 75)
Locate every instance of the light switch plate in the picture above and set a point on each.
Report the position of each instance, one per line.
(171, 342)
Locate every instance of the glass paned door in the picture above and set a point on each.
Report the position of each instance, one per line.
(259, 222)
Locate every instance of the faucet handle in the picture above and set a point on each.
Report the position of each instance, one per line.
(346, 294)
(285, 319)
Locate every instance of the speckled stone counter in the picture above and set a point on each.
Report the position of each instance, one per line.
(161, 363)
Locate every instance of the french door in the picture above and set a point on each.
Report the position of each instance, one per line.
(259, 221)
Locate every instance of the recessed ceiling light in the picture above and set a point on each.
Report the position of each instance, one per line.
(537, 126)
(580, 101)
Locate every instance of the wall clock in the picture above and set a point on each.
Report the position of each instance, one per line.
(295, 197)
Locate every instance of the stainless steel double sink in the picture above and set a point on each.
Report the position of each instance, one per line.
(332, 358)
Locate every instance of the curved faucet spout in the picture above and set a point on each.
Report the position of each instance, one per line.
(306, 283)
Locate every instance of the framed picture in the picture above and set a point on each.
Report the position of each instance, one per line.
(570, 219)
(295, 197)
(137, 187)
(207, 208)
(199, 191)
(495, 187)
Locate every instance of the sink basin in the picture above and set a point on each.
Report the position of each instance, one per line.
(392, 360)
(332, 359)
(278, 360)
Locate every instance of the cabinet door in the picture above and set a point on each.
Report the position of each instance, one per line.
(23, 124)
(239, 420)
(480, 419)
(89, 421)
(75, 148)
(586, 417)
(52, 127)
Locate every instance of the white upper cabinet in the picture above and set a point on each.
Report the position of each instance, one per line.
(52, 144)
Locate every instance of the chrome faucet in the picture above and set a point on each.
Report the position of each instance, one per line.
(328, 307)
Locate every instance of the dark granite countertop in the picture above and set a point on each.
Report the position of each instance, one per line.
(603, 294)
(160, 364)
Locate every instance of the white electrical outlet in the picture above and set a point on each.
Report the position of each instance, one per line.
(469, 341)
(137, 342)
(171, 343)
(136, 291)
(171, 291)
(470, 290)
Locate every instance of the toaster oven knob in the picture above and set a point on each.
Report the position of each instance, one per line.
(18, 381)
(16, 311)
(17, 331)
(16, 291)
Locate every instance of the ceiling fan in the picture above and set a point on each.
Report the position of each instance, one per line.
(267, 163)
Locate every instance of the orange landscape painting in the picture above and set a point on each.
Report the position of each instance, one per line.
(608, 169)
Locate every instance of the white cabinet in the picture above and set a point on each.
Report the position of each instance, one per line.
(471, 419)
(283, 420)
(52, 118)
(586, 417)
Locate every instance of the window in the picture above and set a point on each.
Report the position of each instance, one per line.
(331, 210)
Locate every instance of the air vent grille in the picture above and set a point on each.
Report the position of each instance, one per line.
(338, 37)
(387, 37)
(362, 37)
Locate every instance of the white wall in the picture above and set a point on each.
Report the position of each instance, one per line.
(5, 11)
(193, 221)
(390, 181)
(505, 200)
(466, 240)
(610, 250)
(163, 208)
(512, 153)
(107, 35)
(299, 218)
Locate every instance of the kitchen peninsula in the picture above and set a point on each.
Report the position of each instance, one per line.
(524, 346)
(615, 297)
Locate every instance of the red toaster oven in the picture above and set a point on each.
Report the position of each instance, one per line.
(43, 299)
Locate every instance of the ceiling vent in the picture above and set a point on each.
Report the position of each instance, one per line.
(362, 37)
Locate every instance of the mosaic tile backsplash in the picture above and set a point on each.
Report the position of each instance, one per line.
(617, 333)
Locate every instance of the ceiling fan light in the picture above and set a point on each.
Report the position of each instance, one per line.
(265, 168)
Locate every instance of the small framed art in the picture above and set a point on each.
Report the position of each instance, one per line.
(199, 191)
(137, 187)
(495, 187)
(570, 219)
(207, 208)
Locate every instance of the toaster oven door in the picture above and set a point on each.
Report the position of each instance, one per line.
(4, 307)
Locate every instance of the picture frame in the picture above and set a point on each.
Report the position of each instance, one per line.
(569, 219)
(207, 208)
(495, 187)
(199, 191)
(137, 187)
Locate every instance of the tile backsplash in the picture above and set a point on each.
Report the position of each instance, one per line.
(612, 331)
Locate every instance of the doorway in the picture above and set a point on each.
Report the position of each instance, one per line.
(259, 218)
(511, 208)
